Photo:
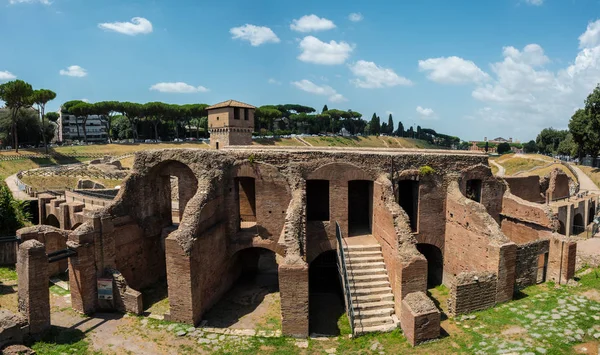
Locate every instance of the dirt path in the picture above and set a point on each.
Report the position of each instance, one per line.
(585, 183)
(501, 170)
(11, 181)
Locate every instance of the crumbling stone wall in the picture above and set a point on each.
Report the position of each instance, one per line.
(472, 291)
(53, 239)
(13, 328)
(528, 263)
(558, 186)
(526, 187)
(492, 188)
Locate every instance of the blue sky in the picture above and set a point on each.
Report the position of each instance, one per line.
(467, 68)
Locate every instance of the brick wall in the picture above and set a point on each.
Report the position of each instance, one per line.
(432, 211)
(472, 291)
(526, 187)
(293, 287)
(561, 259)
(420, 318)
(527, 266)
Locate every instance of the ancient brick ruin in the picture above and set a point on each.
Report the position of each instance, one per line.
(409, 220)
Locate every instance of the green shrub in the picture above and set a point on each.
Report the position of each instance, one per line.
(426, 170)
(13, 213)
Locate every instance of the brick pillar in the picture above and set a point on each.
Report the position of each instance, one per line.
(293, 288)
(82, 277)
(34, 294)
(504, 258)
(411, 276)
(181, 295)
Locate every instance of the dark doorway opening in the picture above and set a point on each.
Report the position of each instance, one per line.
(592, 212)
(408, 199)
(578, 226)
(435, 263)
(51, 220)
(474, 190)
(317, 200)
(360, 207)
(217, 145)
(542, 268)
(246, 190)
(561, 228)
(253, 299)
(326, 298)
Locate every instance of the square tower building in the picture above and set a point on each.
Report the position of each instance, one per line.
(230, 123)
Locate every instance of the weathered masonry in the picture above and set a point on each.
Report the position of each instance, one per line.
(408, 220)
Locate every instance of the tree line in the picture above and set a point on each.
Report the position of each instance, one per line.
(582, 137)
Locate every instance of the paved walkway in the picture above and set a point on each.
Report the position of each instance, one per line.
(501, 170)
(585, 183)
(11, 181)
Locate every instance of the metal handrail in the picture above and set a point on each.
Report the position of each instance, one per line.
(343, 270)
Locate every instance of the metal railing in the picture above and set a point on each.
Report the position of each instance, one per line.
(342, 268)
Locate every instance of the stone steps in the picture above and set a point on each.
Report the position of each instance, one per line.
(370, 289)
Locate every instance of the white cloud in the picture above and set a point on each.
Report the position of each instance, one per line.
(85, 100)
(425, 113)
(355, 17)
(75, 71)
(370, 75)
(452, 70)
(256, 35)
(137, 25)
(44, 2)
(315, 51)
(311, 23)
(273, 81)
(6, 75)
(591, 36)
(178, 87)
(323, 90)
(535, 2)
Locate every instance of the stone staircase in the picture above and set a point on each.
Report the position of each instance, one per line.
(370, 289)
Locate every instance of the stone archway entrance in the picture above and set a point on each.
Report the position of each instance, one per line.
(325, 295)
(435, 263)
(252, 301)
(51, 220)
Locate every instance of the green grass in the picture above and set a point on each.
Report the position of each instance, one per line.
(8, 273)
(59, 290)
(516, 165)
(59, 341)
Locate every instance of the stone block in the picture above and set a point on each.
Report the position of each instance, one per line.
(420, 319)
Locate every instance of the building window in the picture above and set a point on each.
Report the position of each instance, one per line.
(246, 114)
(236, 113)
(317, 200)
(217, 118)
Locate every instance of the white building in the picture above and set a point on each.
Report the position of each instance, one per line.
(67, 130)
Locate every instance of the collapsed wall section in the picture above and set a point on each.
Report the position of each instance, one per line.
(526, 187)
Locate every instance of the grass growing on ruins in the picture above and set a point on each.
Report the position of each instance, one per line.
(368, 142)
(59, 290)
(8, 273)
(280, 142)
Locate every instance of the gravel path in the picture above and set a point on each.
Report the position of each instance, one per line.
(585, 183)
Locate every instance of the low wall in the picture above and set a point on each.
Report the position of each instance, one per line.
(525, 187)
(472, 291)
(528, 263)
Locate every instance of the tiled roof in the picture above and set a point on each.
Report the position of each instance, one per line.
(230, 103)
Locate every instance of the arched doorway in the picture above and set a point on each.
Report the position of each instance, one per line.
(253, 299)
(326, 297)
(578, 224)
(51, 220)
(75, 226)
(435, 263)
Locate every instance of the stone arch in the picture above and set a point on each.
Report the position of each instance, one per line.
(52, 220)
(76, 226)
(259, 243)
(339, 171)
(435, 263)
